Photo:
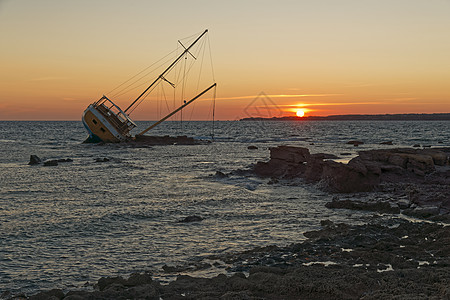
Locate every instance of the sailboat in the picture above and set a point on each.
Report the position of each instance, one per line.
(106, 122)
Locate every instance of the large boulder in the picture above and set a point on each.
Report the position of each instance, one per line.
(290, 154)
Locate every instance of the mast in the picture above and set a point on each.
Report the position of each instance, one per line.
(166, 70)
(178, 109)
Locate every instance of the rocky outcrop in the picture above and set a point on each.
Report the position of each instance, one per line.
(421, 176)
(362, 173)
(291, 162)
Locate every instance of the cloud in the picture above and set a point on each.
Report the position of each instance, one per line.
(279, 96)
(48, 78)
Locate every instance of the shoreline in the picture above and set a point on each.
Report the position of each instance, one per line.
(397, 259)
(383, 259)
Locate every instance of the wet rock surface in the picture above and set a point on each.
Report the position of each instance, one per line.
(190, 219)
(34, 160)
(395, 260)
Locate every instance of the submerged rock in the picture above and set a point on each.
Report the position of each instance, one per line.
(190, 219)
(104, 159)
(53, 162)
(220, 174)
(355, 143)
(252, 147)
(63, 160)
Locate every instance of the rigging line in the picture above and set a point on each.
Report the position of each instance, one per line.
(157, 103)
(201, 68)
(182, 92)
(167, 104)
(145, 69)
(142, 99)
(163, 92)
(189, 39)
(210, 57)
(130, 87)
(202, 51)
(168, 69)
(213, 112)
(192, 63)
(189, 69)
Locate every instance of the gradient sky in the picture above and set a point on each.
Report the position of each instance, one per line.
(326, 56)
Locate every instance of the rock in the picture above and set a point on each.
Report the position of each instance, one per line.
(54, 294)
(398, 160)
(252, 147)
(145, 291)
(345, 154)
(420, 164)
(380, 206)
(355, 143)
(220, 175)
(347, 178)
(63, 160)
(439, 158)
(416, 145)
(290, 154)
(34, 160)
(422, 212)
(52, 162)
(273, 180)
(190, 219)
(386, 143)
(105, 282)
(104, 159)
(139, 279)
(323, 156)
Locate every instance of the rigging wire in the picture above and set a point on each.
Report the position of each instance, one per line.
(146, 92)
(211, 60)
(139, 73)
(213, 112)
(183, 91)
(181, 73)
(199, 74)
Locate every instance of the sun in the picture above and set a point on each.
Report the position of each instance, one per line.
(300, 113)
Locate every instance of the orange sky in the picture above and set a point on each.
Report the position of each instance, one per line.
(327, 57)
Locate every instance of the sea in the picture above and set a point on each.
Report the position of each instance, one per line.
(115, 209)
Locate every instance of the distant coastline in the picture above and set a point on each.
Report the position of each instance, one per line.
(386, 117)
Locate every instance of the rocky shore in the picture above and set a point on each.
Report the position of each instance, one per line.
(394, 258)
(399, 260)
(415, 182)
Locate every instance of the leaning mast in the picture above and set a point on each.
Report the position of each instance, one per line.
(166, 70)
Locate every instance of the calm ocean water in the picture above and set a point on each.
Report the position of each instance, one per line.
(70, 224)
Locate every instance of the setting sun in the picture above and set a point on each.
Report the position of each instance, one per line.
(300, 113)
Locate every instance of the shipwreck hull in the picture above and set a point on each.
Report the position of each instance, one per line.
(106, 122)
